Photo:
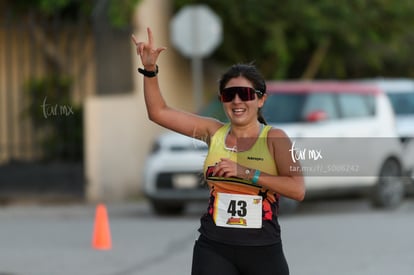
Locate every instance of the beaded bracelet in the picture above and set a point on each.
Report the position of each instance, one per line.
(256, 175)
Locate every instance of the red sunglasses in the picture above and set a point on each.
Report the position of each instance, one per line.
(244, 93)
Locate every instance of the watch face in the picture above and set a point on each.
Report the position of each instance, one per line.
(247, 172)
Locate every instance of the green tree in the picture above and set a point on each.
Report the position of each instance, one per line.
(41, 13)
(61, 137)
(317, 39)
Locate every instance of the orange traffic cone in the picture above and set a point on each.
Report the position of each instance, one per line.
(101, 232)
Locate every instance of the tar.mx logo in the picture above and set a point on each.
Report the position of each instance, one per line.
(299, 154)
(56, 110)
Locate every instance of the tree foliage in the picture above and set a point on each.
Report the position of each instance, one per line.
(317, 39)
(119, 11)
(49, 95)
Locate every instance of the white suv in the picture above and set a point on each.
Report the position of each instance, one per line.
(343, 135)
(401, 94)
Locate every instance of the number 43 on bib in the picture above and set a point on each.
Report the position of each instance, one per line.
(240, 211)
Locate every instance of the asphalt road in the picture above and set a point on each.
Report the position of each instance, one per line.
(322, 237)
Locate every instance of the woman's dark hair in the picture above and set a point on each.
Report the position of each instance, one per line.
(250, 72)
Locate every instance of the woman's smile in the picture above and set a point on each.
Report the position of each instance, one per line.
(238, 111)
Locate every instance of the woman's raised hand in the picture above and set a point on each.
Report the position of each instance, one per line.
(147, 51)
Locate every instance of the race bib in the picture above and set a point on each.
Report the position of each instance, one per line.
(241, 211)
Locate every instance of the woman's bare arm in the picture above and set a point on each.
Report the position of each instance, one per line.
(158, 111)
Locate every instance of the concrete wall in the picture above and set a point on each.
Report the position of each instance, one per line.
(118, 134)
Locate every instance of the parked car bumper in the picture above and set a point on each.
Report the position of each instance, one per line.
(175, 178)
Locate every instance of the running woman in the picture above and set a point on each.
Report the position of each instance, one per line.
(247, 169)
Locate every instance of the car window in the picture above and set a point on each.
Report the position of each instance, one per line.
(356, 105)
(402, 103)
(284, 107)
(321, 102)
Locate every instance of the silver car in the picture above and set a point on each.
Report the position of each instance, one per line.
(344, 135)
(401, 94)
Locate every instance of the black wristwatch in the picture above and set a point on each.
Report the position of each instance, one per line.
(149, 73)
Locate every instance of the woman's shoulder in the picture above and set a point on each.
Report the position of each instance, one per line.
(219, 127)
(215, 126)
(278, 141)
(274, 132)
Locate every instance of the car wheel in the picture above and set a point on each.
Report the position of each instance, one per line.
(389, 190)
(163, 208)
(287, 206)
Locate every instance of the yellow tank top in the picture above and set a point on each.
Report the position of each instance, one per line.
(257, 157)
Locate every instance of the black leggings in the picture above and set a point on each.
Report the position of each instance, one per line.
(210, 257)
